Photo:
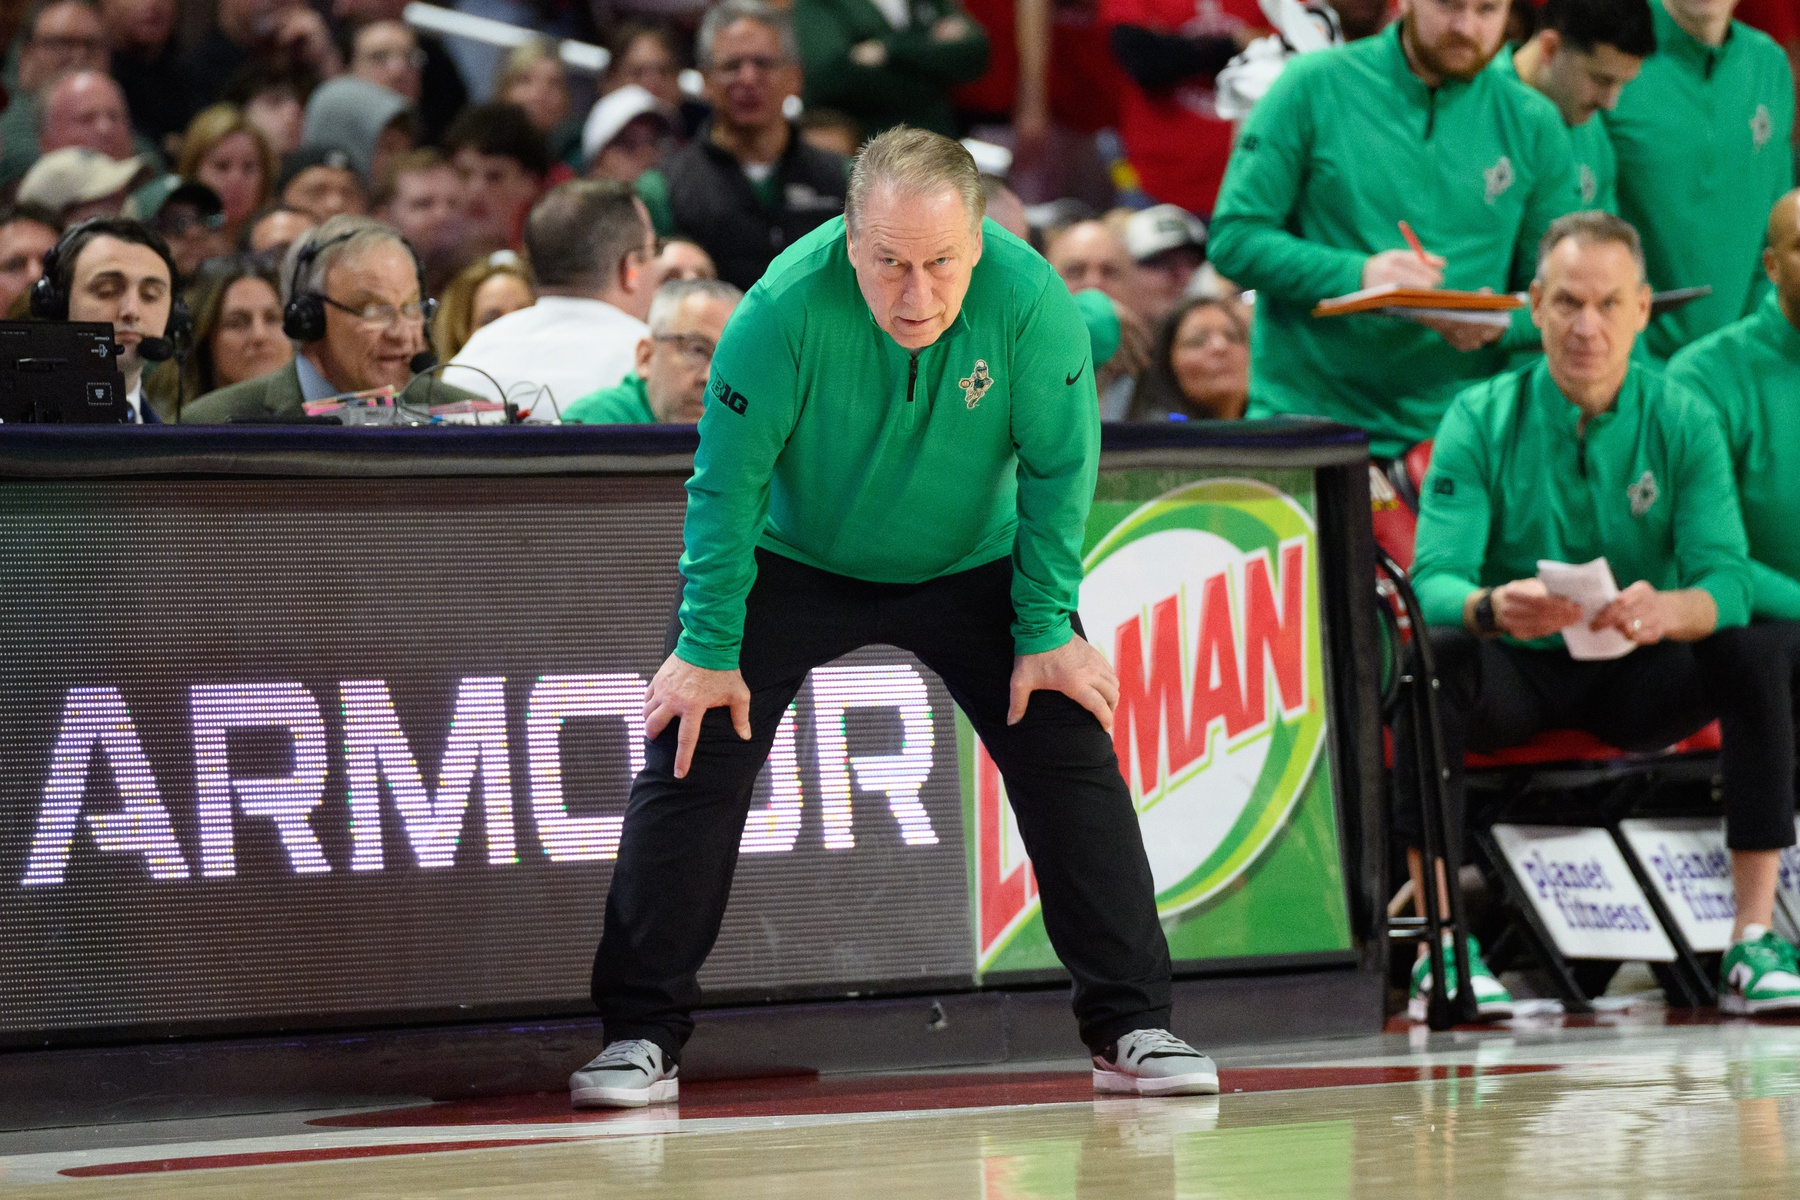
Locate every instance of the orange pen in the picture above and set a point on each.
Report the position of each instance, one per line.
(1412, 239)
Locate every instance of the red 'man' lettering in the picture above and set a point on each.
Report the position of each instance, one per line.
(1215, 656)
(1275, 635)
(1146, 707)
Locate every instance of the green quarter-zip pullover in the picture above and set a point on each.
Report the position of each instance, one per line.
(625, 403)
(1347, 143)
(1596, 166)
(824, 441)
(1515, 477)
(1703, 139)
(1750, 372)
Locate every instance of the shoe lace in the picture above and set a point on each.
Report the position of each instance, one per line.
(637, 1052)
(1152, 1043)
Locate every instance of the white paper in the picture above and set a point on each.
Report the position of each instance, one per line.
(1499, 319)
(1590, 585)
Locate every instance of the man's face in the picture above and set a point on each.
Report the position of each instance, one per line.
(1590, 306)
(23, 245)
(676, 362)
(495, 190)
(428, 206)
(281, 118)
(192, 237)
(681, 260)
(126, 285)
(1455, 39)
(649, 64)
(749, 77)
(254, 19)
(87, 110)
(325, 192)
(1163, 279)
(637, 148)
(373, 346)
(1584, 84)
(1699, 12)
(388, 54)
(69, 37)
(281, 229)
(914, 257)
(1090, 255)
(145, 23)
(1782, 258)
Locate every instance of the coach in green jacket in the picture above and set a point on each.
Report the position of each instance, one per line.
(900, 444)
(1410, 125)
(1703, 137)
(1588, 455)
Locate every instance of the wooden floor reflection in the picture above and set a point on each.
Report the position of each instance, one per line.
(1697, 1112)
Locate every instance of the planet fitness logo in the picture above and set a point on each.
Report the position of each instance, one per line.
(1205, 600)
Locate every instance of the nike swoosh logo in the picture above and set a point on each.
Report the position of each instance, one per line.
(1070, 381)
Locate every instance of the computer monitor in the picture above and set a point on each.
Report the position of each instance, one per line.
(60, 372)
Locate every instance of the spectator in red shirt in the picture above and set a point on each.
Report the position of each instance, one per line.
(1171, 52)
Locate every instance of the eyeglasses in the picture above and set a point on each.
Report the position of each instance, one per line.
(176, 224)
(698, 351)
(382, 316)
(764, 63)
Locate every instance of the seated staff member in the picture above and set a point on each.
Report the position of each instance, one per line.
(352, 293)
(901, 446)
(1750, 373)
(120, 271)
(1581, 58)
(668, 386)
(1584, 455)
(1347, 142)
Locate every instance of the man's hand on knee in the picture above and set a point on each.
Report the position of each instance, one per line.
(683, 691)
(1075, 669)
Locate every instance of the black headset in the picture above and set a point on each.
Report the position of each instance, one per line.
(303, 319)
(50, 294)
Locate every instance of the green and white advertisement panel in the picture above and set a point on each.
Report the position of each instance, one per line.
(1203, 591)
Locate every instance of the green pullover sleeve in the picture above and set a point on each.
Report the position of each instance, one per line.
(1455, 511)
(916, 71)
(1056, 434)
(751, 405)
(1711, 551)
(1250, 240)
(1773, 594)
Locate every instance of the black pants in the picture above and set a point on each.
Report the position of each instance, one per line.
(1494, 695)
(680, 841)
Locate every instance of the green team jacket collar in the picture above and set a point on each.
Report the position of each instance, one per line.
(1684, 48)
(1393, 58)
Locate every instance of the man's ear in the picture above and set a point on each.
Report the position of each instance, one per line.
(1549, 39)
(645, 348)
(1769, 262)
(1644, 296)
(1535, 300)
(978, 241)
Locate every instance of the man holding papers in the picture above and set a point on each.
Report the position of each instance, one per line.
(1584, 456)
(1407, 125)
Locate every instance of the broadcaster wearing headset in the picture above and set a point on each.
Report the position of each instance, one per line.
(119, 271)
(355, 308)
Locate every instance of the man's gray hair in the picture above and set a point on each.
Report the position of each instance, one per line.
(723, 16)
(914, 163)
(1591, 228)
(669, 298)
(343, 236)
(577, 235)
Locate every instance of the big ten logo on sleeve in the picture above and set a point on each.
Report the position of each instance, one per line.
(1583, 892)
(727, 395)
(1690, 868)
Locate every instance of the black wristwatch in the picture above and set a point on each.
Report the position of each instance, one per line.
(1485, 623)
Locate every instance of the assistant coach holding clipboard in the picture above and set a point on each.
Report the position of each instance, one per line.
(899, 445)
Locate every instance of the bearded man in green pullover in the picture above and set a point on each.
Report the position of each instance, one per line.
(1407, 125)
(1589, 454)
(899, 444)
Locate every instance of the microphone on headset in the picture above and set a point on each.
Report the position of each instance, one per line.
(156, 349)
(423, 361)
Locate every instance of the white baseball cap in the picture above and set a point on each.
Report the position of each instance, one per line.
(1162, 228)
(613, 112)
(76, 175)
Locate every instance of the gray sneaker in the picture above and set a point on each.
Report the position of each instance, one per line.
(1154, 1062)
(626, 1075)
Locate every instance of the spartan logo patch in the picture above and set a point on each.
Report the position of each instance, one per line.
(1643, 494)
(1498, 178)
(976, 384)
(1590, 185)
(727, 395)
(1762, 126)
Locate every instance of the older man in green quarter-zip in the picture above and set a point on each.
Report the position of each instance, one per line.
(899, 445)
(1590, 454)
(1407, 125)
(1703, 138)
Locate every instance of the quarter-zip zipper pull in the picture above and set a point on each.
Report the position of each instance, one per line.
(912, 376)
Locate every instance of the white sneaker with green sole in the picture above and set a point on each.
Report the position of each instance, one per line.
(1492, 1001)
(1760, 974)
